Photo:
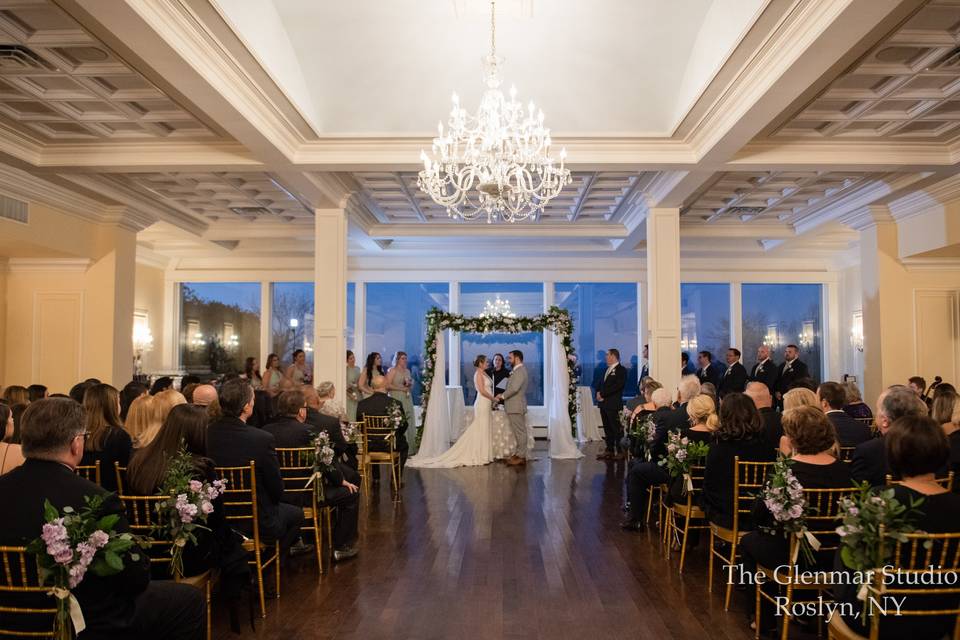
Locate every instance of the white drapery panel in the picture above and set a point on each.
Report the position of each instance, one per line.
(436, 426)
(562, 445)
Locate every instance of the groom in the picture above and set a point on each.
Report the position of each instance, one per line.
(514, 399)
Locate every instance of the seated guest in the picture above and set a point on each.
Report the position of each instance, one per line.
(205, 395)
(850, 433)
(143, 420)
(289, 429)
(943, 408)
(855, 407)
(741, 433)
(16, 412)
(800, 397)
(218, 545)
(809, 440)
(952, 431)
(703, 421)
(161, 384)
(128, 394)
(869, 460)
(915, 449)
(263, 409)
(643, 474)
(107, 441)
(78, 390)
(708, 389)
(188, 390)
(167, 400)
(763, 401)
(688, 389)
(647, 386)
(326, 393)
(10, 454)
(37, 392)
(380, 404)
(734, 379)
(125, 605)
(231, 443)
(15, 394)
(318, 421)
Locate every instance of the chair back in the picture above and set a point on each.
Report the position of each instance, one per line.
(89, 471)
(26, 611)
(121, 473)
(141, 512)
(296, 469)
(845, 454)
(823, 512)
(695, 486)
(945, 481)
(748, 479)
(358, 429)
(240, 497)
(377, 431)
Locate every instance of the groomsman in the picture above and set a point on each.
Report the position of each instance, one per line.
(735, 377)
(709, 370)
(791, 370)
(765, 370)
(645, 364)
(610, 399)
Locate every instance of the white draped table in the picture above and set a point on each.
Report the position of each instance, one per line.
(589, 422)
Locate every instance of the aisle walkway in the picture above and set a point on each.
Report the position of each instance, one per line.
(496, 552)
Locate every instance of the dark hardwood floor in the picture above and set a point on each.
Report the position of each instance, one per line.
(498, 552)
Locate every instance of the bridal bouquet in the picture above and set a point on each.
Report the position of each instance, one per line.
(73, 543)
(782, 494)
(188, 504)
(682, 454)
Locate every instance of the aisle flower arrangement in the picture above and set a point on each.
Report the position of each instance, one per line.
(862, 515)
(188, 504)
(782, 495)
(682, 454)
(73, 543)
(556, 319)
(644, 432)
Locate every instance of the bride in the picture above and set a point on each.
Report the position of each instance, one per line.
(488, 437)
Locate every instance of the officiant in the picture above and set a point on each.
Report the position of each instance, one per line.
(499, 373)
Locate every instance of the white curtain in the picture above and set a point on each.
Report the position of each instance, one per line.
(562, 444)
(436, 427)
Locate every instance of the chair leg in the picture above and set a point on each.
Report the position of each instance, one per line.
(683, 543)
(756, 612)
(209, 617)
(263, 597)
(277, 566)
(785, 631)
(318, 541)
(710, 565)
(328, 517)
(649, 504)
(733, 560)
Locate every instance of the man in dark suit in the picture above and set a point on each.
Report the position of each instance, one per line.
(346, 452)
(686, 368)
(869, 460)
(380, 404)
(231, 443)
(125, 605)
(734, 379)
(289, 429)
(850, 432)
(766, 370)
(763, 401)
(645, 364)
(610, 401)
(792, 370)
(709, 370)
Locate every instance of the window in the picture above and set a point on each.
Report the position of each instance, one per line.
(220, 325)
(525, 299)
(351, 314)
(604, 316)
(396, 321)
(782, 314)
(705, 320)
(292, 325)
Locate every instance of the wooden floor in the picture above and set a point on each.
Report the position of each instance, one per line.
(498, 552)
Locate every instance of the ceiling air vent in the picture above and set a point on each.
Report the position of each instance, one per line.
(24, 59)
(745, 211)
(251, 212)
(15, 210)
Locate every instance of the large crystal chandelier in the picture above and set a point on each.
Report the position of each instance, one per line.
(496, 163)
(498, 309)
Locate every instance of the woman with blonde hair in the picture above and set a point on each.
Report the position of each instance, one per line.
(167, 400)
(16, 394)
(143, 420)
(106, 440)
(800, 397)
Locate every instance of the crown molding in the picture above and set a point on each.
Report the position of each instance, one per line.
(922, 200)
(26, 186)
(880, 155)
(931, 264)
(48, 265)
(150, 258)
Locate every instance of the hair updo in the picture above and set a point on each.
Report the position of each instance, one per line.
(479, 360)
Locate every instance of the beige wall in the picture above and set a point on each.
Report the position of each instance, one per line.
(148, 297)
(3, 319)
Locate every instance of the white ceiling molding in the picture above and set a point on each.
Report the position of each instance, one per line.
(920, 201)
(48, 265)
(26, 186)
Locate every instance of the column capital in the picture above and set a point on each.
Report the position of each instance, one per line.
(868, 217)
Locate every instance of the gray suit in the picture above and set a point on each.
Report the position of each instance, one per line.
(515, 403)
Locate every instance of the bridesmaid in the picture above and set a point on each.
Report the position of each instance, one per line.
(372, 369)
(272, 376)
(353, 386)
(400, 385)
(298, 373)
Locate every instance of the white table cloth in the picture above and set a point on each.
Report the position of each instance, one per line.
(589, 422)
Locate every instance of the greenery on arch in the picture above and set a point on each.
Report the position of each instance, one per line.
(556, 319)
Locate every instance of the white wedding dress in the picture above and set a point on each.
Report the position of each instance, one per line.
(475, 446)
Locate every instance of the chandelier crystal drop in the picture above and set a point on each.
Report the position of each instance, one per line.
(497, 162)
(498, 309)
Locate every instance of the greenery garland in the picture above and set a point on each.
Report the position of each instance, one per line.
(556, 319)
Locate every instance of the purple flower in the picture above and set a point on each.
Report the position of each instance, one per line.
(196, 486)
(98, 539)
(206, 507)
(185, 509)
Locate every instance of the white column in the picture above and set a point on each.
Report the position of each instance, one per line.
(454, 338)
(663, 295)
(736, 318)
(548, 298)
(330, 296)
(266, 323)
(359, 321)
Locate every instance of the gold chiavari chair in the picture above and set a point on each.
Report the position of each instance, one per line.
(690, 511)
(824, 509)
(845, 454)
(296, 469)
(89, 471)
(748, 479)
(121, 473)
(241, 509)
(379, 440)
(141, 512)
(24, 603)
(918, 559)
(655, 495)
(946, 481)
(363, 470)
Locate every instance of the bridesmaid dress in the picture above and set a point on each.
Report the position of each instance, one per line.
(353, 392)
(405, 398)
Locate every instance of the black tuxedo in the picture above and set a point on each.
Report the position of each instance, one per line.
(611, 392)
(734, 380)
(380, 404)
(772, 426)
(850, 433)
(712, 374)
(346, 451)
(789, 373)
(232, 443)
(766, 372)
(869, 462)
(121, 606)
(290, 433)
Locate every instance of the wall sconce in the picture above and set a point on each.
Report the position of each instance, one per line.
(856, 331)
(807, 335)
(772, 337)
